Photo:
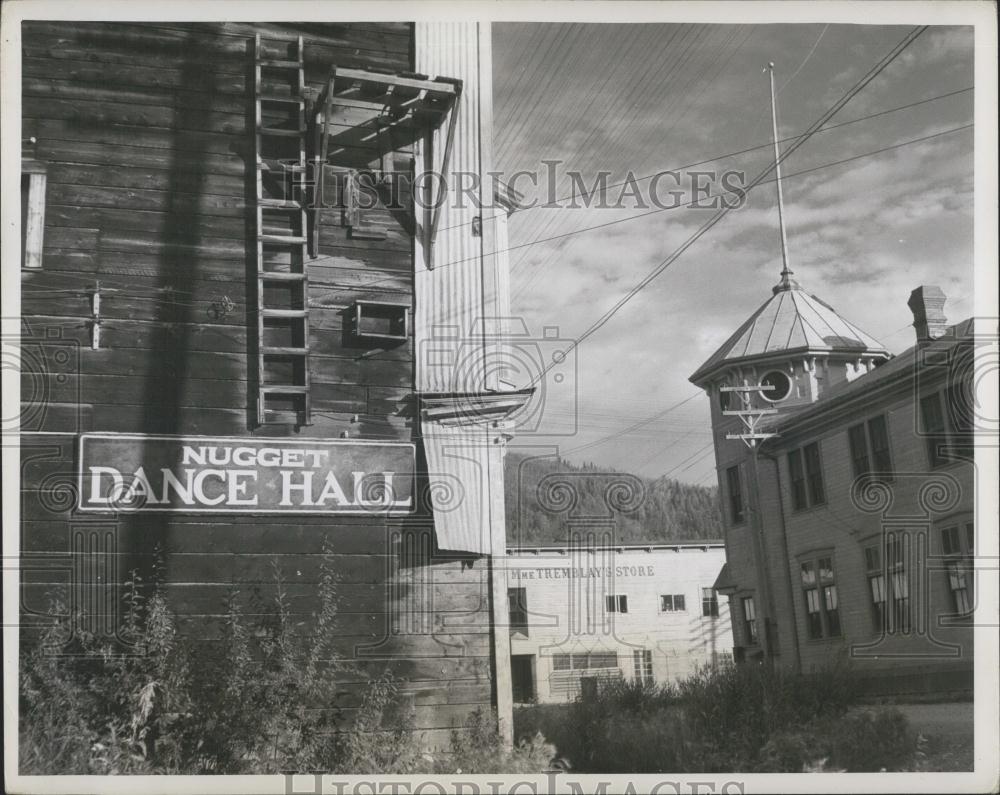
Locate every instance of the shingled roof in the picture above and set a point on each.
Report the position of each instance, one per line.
(790, 321)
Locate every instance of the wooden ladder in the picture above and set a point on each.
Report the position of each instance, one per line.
(282, 232)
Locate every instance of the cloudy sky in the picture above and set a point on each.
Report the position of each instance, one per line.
(650, 98)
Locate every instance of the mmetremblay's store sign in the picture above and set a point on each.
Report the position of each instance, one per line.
(201, 474)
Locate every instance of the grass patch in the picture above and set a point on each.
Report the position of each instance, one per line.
(737, 717)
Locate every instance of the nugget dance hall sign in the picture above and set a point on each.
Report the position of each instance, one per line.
(200, 474)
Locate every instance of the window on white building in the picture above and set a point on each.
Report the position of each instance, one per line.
(517, 602)
(616, 603)
(709, 603)
(642, 661)
(672, 603)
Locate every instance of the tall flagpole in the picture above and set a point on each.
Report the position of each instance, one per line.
(786, 272)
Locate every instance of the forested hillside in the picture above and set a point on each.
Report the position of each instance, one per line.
(538, 492)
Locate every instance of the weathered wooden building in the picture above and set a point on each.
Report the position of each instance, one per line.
(227, 283)
(850, 525)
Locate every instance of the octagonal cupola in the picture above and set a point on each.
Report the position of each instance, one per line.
(797, 344)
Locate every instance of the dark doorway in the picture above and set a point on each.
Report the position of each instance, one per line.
(522, 675)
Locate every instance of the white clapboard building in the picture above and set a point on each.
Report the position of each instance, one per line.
(647, 612)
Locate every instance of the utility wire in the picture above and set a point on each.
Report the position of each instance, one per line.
(119, 293)
(688, 100)
(127, 294)
(826, 128)
(704, 199)
(724, 210)
(633, 427)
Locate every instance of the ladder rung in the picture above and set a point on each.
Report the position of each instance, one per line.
(286, 313)
(281, 276)
(279, 204)
(273, 350)
(285, 389)
(277, 98)
(279, 63)
(289, 239)
(278, 132)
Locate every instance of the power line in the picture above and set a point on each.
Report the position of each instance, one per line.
(633, 427)
(704, 199)
(724, 210)
(747, 150)
(669, 61)
(659, 74)
(374, 282)
(685, 103)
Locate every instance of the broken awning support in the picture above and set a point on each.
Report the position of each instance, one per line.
(460, 432)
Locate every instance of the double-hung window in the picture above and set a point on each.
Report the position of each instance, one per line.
(806, 477)
(749, 620)
(642, 662)
(819, 589)
(616, 603)
(709, 603)
(958, 546)
(945, 423)
(870, 452)
(876, 586)
(671, 603)
(735, 489)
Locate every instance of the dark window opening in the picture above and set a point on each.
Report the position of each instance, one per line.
(735, 495)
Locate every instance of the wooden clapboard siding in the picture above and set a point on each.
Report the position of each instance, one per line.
(145, 132)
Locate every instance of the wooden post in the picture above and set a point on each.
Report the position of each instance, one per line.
(495, 455)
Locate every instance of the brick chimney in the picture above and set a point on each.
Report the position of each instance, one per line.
(927, 305)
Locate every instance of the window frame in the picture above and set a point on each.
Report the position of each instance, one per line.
(709, 603)
(675, 605)
(616, 603)
(946, 429)
(959, 564)
(34, 180)
(734, 490)
(642, 666)
(797, 480)
(820, 596)
(589, 659)
(805, 477)
(875, 574)
(934, 429)
(815, 485)
(751, 632)
(517, 605)
(867, 459)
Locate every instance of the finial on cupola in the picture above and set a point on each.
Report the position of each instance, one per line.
(787, 282)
